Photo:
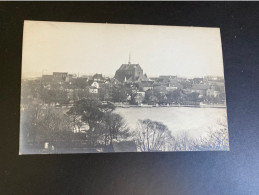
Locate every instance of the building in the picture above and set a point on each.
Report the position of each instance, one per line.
(95, 84)
(130, 73)
(167, 78)
(98, 77)
(70, 77)
(94, 87)
(60, 76)
(173, 86)
(200, 88)
(212, 93)
(146, 85)
(47, 78)
(160, 89)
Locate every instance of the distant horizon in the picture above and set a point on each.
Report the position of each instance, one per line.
(39, 74)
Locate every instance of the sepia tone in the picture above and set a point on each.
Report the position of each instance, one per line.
(89, 88)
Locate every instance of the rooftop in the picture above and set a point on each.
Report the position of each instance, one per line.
(200, 87)
(129, 66)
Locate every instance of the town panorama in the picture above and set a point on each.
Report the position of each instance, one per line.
(72, 113)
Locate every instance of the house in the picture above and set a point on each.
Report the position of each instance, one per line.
(214, 78)
(197, 80)
(160, 88)
(167, 78)
(212, 93)
(60, 76)
(70, 77)
(200, 88)
(217, 85)
(98, 77)
(47, 78)
(95, 84)
(88, 77)
(146, 85)
(93, 89)
(113, 81)
(171, 88)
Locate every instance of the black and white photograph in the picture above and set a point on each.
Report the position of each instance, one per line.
(101, 87)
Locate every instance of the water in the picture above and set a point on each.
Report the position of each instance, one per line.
(196, 122)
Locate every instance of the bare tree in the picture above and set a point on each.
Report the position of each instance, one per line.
(183, 142)
(114, 128)
(152, 136)
(75, 119)
(217, 137)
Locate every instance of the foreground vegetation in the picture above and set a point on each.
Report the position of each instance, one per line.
(91, 124)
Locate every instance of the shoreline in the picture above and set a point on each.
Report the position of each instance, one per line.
(165, 106)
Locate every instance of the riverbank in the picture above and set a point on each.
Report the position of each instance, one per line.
(157, 106)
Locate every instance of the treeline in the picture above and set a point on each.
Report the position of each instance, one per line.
(39, 91)
(152, 136)
(97, 122)
(90, 123)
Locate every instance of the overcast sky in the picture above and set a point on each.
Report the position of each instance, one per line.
(90, 48)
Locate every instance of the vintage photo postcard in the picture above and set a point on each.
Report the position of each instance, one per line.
(93, 88)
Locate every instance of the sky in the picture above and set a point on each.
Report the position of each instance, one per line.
(89, 48)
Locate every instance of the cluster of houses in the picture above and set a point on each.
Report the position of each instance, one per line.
(64, 77)
(132, 76)
(209, 86)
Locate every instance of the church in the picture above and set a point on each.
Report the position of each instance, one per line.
(130, 73)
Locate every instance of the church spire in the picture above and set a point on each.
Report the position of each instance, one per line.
(129, 58)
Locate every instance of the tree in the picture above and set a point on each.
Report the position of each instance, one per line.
(194, 96)
(183, 142)
(44, 125)
(114, 128)
(92, 111)
(174, 96)
(152, 136)
(104, 92)
(53, 124)
(78, 94)
(150, 98)
(160, 95)
(217, 138)
(61, 97)
(79, 83)
(75, 119)
(30, 120)
(186, 84)
(118, 93)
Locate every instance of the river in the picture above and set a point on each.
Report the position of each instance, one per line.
(194, 121)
